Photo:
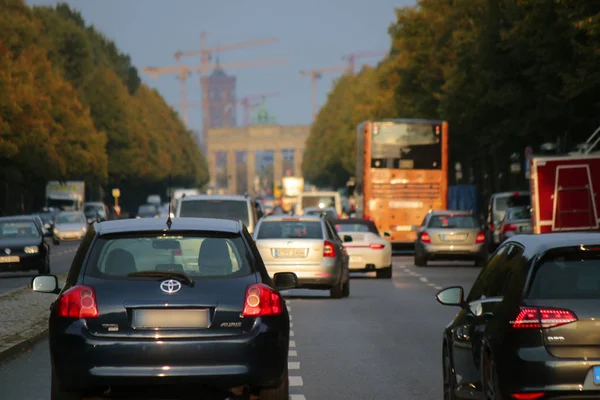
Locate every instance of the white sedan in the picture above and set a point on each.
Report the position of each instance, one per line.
(368, 251)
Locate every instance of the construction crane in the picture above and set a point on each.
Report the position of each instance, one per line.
(248, 103)
(183, 71)
(205, 58)
(315, 75)
(352, 57)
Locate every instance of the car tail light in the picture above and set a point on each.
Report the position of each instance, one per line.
(78, 302)
(425, 237)
(262, 301)
(509, 228)
(528, 396)
(367, 218)
(480, 238)
(328, 249)
(542, 317)
(376, 246)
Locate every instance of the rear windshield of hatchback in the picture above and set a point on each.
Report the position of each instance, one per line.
(198, 256)
(290, 230)
(575, 275)
(221, 209)
(453, 222)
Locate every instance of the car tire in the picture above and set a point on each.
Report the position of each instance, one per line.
(384, 273)
(56, 242)
(491, 389)
(337, 291)
(279, 393)
(448, 377)
(56, 393)
(420, 261)
(346, 289)
(44, 269)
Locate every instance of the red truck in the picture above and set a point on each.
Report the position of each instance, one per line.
(564, 193)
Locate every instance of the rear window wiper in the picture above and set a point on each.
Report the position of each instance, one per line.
(163, 274)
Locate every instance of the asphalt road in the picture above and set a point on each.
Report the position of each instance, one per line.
(60, 262)
(383, 342)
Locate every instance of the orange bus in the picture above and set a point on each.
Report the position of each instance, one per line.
(401, 174)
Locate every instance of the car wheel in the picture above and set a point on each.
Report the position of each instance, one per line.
(346, 289)
(337, 291)
(384, 273)
(56, 393)
(44, 269)
(449, 385)
(490, 379)
(279, 393)
(56, 242)
(420, 261)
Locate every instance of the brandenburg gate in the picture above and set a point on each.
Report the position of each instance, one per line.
(250, 140)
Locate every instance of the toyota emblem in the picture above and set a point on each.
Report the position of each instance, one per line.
(170, 286)
(7, 251)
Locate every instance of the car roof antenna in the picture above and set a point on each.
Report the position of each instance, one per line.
(169, 222)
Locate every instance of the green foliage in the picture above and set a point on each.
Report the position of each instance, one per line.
(73, 107)
(505, 74)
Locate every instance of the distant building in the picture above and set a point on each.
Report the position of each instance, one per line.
(222, 91)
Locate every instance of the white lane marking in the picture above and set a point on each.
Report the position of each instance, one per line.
(297, 397)
(293, 365)
(438, 287)
(291, 324)
(292, 343)
(290, 317)
(292, 353)
(423, 279)
(431, 284)
(292, 333)
(296, 381)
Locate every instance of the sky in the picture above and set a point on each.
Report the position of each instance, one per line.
(312, 34)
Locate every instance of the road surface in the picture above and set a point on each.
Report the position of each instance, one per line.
(383, 342)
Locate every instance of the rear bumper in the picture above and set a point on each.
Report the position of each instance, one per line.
(67, 236)
(366, 259)
(311, 276)
(87, 363)
(451, 252)
(535, 370)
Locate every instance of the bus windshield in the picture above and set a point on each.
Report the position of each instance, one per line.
(406, 146)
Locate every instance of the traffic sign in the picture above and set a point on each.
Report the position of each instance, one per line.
(116, 193)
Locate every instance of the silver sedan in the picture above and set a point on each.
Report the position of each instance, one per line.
(69, 226)
(307, 246)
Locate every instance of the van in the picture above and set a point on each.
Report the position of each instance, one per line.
(499, 203)
(221, 207)
(320, 200)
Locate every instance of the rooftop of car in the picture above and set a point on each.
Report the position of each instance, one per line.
(159, 224)
(353, 221)
(17, 218)
(536, 244)
(215, 197)
(292, 218)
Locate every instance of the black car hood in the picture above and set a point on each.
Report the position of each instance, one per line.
(18, 242)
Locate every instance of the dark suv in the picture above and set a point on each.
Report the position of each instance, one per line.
(185, 306)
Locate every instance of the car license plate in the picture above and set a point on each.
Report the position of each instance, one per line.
(10, 259)
(289, 252)
(355, 258)
(183, 319)
(454, 238)
(597, 375)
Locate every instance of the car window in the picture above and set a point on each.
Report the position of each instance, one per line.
(484, 284)
(18, 229)
(199, 256)
(575, 275)
(70, 219)
(518, 213)
(356, 227)
(504, 202)
(290, 230)
(222, 209)
(453, 222)
(331, 232)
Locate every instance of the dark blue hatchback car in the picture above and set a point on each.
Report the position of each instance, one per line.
(163, 310)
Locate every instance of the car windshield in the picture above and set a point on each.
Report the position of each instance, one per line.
(18, 229)
(45, 217)
(93, 208)
(504, 202)
(147, 209)
(290, 230)
(518, 213)
(453, 222)
(318, 201)
(572, 276)
(199, 256)
(356, 227)
(70, 219)
(222, 209)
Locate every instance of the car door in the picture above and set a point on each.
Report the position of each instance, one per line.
(339, 244)
(467, 330)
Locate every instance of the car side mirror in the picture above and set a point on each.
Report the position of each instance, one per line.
(285, 280)
(451, 296)
(347, 238)
(45, 284)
